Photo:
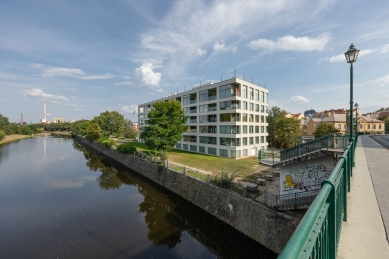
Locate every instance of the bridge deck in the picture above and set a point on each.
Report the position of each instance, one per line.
(363, 235)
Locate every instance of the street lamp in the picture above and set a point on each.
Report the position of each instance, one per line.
(351, 57)
(356, 106)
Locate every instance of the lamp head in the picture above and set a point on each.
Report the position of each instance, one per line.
(352, 54)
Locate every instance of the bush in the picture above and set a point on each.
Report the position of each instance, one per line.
(93, 132)
(224, 178)
(2, 134)
(106, 142)
(126, 148)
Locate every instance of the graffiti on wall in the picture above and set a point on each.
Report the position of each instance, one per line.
(307, 178)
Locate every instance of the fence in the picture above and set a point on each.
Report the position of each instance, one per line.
(318, 233)
(269, 156)
(289, 201)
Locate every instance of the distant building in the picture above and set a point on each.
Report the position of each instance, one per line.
(297, 116)
(58, 120)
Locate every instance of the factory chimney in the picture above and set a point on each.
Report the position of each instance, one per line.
(44, 114)
(21, 119)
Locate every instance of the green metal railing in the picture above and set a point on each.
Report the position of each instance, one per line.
(269, 156)
(324, 143)
(318, 234)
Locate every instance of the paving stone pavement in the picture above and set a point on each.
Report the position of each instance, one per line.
(377, 158)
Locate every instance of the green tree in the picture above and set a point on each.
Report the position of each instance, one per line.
(324, 129)
(93, 132)
(386, 120)
(79, 127)
(111, 123)
(26, 130)
(3, 121)
(129, 130)
(282, 132)
(166, 125)
(2, 134)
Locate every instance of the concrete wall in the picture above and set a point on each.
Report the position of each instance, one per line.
(306, 175)
(270, 228)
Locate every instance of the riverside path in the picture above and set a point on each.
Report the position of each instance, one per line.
(365, 234)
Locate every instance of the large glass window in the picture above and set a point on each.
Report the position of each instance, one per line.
(178, 145)
(257, 107)
(208, 129)
(251, 129)
(229, 117)
(266, 97)
(223, 152)
(193, 119)
(229, 129)
(262, 139)
(244, 91)
(244, 129)
(262, 97)
(244, 151)
(212, 151)
(256, 140)
(208, 140)
(251, 107)
(256, 95)
(244, 141)
(244, 105)
(244, 115)
(262, 129)
(262, 118)
(230, 142)
(208, 118)
(226, 105)
(201, 149)
(257, 118)
(251, 117)
(251, 93)
(251, 140)
(207, 107)
(192, 129)
(189, 138)
(185, 146)
(262, 108)
(190, 98)
(192, 148)
(235, 153)
(229, 90)
(207, 95)
(256, 129)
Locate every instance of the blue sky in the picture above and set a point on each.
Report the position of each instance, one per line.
(84, 57)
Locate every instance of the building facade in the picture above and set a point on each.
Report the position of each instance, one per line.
(228, 118)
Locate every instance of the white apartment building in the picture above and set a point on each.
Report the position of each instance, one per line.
(228, 118)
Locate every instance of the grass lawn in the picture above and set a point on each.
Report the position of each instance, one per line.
(13, 137)
(248, 168)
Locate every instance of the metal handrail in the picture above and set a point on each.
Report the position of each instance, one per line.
(318, 234)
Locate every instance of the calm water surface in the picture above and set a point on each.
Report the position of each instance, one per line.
(57, 200)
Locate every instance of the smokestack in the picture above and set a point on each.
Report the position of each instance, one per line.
(44, 111)
(21, 119)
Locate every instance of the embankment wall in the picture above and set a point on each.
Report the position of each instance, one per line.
(270, 228)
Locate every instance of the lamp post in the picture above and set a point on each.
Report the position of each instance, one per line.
(351, 57)
(356, 106)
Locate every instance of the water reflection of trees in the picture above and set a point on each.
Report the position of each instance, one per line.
(167, 215)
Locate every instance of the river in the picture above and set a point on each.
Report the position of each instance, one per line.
(58, 200)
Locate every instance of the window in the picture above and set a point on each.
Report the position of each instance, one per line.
(244, 129)
(262, 129)
(185, 146)
(190, 98)
(368, 126)
(374, 126)
(251, 118)
(251, 107)
(193, 148)
(229, 90)
(207, 118)
(189, 138)
(192, 129)
(256, 129)
(178, 145)
(257, 107)
(251, 140)
(230, 142)
(212, 151)
(266, 129)
(244, 141)
(244, 105)
(379, 126)
(257, 118)
(208, 140)
(244, 117)
(339, 126)
(223, 152)
(226, 105)
(193, 119)
(256, 140)
(207, 95)
(235, 153)
(201, 149)
(262, 119)
(229, 129)
(262, 97)
(208, 129)
(244, 91)
(226, 117)
(251, 129)
(316, 125)
(244, 152)
(345, 126)
(262, 108)
(256, 95)
(266, 97)
(360, 126)
(262, 139)
(188, 110)
(207, 107)
(251, 93)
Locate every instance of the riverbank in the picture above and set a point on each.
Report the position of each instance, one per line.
(13, 137)
(268, 227)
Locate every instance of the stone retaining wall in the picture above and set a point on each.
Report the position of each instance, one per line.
(270, 228)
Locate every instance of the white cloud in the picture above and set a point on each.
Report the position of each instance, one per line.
(124, 83)
(299, 99)
(342, 58)
(219, 46)
(147, 76)
(68, 72)
(201, 52)
(133, 108)
(385, 49)
(234, 49)
(291, 43)
(36, 92)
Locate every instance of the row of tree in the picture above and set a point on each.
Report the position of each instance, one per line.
(8, 128)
